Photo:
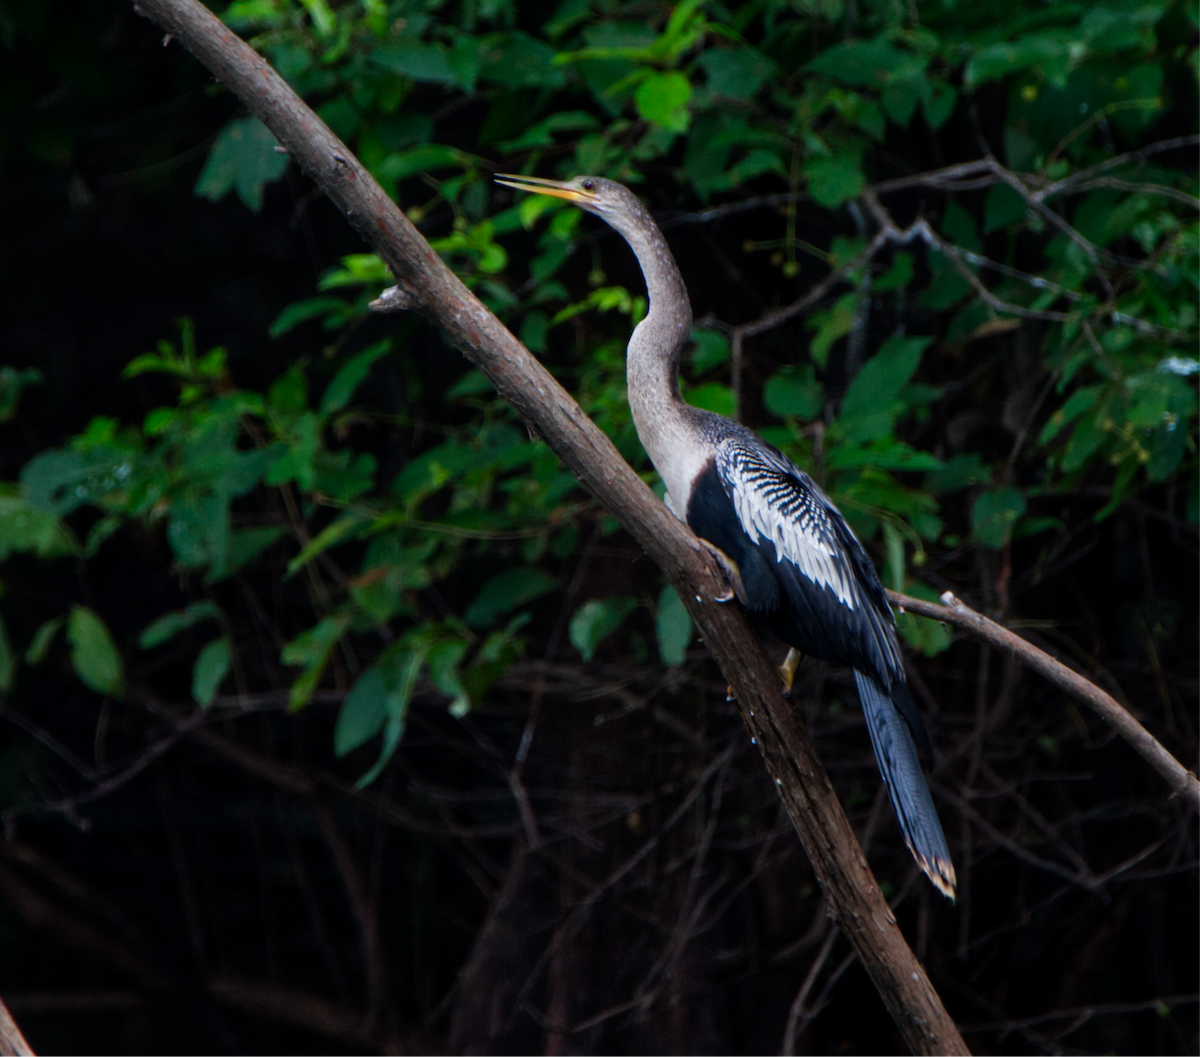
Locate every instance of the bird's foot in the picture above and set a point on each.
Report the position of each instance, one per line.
(787, 673)
(787, 670)
(735, 588)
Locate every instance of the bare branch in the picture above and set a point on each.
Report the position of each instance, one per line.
(952, 611)
(772, 319)
(1068, 183)
(1117, 184)
(12, 1042)
(920, 229)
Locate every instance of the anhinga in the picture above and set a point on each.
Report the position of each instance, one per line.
(798, 569)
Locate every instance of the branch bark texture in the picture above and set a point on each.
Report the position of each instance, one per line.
(12, 1042)
(855, 901)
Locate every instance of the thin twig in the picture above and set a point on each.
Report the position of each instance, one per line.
(953, 611)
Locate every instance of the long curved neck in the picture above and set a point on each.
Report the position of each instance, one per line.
(652, 361)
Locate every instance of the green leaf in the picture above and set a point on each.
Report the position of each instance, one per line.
(929, 636)
(100, 533)
(416, 60)
(596, 620)
(171, 624)
(42, 640)
(756, 163)
(362, 714)
(25, 528)
(735, 72)
(296, 462)
(333, 533)
(1033, 526)
(883, 453)
(958, 472)
(1192, 503)
(713, 396)
(311, 651)
(242, 158)
(400, 667)
(1048, 49)
(893, 543)
(1086, 439)
(444, 674)
(12, 383)
(711, 351)
(244, 546)
(835, 322)
(506, 592)
(93, 653)
(358, 269)
(898, 276)
(865, 63)
(519, 60)
(832, 181)
(663, 98)
(426, 158)
(198, 530)
(948, 285)
(1081, 400)
(210, 670)
(993, 515)
(432, 470)
(289, 392)
(301, 311)
(959, 226)
(1003, 206)
(62, 481)
(901, 96)
(350, 376)
(673, 624)
(939, 107)
(393, 731)
(473, 383)
(794, 391)
(465, 60)
(540, 134)
(869, 410)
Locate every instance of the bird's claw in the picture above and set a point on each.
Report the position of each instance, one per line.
(787, 670)
(731, 571)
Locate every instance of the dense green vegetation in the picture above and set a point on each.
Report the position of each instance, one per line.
(341, 519)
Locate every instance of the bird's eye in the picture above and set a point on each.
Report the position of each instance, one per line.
(589, 185)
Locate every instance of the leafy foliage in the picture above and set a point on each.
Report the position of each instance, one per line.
(704, 92)
(998, 376)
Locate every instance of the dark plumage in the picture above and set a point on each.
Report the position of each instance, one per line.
(802, 573)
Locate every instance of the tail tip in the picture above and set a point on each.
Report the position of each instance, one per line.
(941, 872)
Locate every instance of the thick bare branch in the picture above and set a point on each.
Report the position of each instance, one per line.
(952, 611)
(12, 1042)
(854, 897)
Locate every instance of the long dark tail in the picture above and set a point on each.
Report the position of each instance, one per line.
(896, 754)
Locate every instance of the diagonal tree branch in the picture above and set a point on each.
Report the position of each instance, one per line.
(12, 1042)
(855, 900)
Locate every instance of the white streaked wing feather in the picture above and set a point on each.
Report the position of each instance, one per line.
(770, 504)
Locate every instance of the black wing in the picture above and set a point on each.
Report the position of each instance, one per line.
(835, 595)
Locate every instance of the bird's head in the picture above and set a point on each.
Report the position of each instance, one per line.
(606, 198)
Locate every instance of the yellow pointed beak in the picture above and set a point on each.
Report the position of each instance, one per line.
(539, 185)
